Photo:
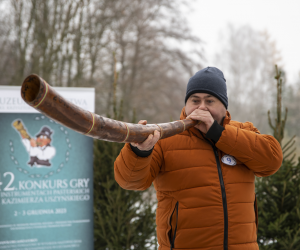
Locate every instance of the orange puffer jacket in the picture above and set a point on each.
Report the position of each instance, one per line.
(206, 193)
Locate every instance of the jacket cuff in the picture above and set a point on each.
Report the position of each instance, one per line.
(215, 132)
(141, 153)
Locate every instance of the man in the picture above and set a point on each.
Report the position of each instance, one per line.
(204, 177)
(40, 150)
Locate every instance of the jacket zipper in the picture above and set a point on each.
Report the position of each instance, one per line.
(170, 222)
(256, 214)
(224, 200)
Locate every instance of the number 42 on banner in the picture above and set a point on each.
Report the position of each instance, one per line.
(7, 187)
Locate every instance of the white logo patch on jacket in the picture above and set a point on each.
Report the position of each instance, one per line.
(229, 160)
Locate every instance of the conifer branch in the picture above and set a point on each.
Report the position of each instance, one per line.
(285, 157)
(284, 151)
(289, 142)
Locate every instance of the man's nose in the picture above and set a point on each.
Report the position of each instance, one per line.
(202, 106)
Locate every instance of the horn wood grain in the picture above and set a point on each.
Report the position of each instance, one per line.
(37, 93)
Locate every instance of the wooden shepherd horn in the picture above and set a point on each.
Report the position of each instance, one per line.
(39, 95)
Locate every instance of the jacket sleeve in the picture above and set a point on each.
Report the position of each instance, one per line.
(137, 173)
(260, 153)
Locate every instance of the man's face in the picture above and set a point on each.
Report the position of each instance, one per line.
(43, 140)
(206, 102)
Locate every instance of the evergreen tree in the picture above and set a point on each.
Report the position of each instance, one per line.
(278, 196)
(122, 219)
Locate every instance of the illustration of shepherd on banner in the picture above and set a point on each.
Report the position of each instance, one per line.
(39, 149)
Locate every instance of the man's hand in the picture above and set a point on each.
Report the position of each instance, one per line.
(149, 142)
(33, 143)
(204, 116)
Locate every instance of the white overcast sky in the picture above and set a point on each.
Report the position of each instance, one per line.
(280, 18)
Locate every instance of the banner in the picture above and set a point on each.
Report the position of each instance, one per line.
(46, 176)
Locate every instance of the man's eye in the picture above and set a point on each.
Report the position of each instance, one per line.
(210, 101)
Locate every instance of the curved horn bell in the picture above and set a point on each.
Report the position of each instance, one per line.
(41, 96)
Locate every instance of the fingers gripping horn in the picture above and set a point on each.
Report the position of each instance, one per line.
(40, 95)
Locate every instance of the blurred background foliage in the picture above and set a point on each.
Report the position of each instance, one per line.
(71, 43)
(149, 46)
